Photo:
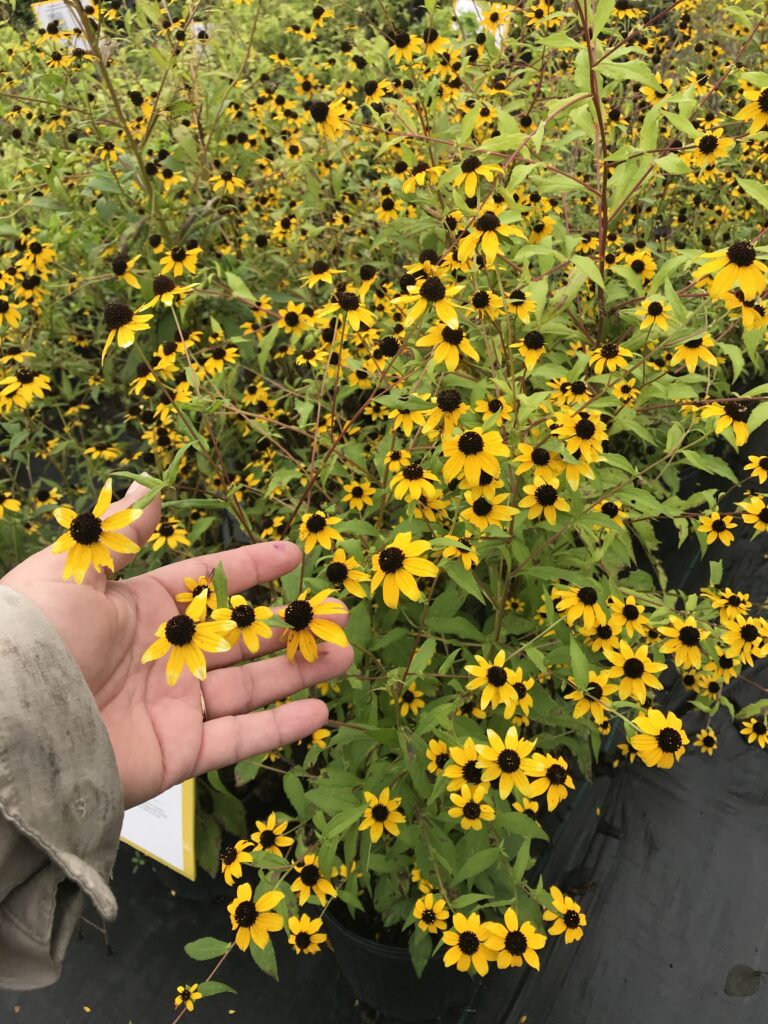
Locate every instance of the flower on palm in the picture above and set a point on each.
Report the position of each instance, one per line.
(90, 538)
(304, 620)
(249, 620)
(188, 637)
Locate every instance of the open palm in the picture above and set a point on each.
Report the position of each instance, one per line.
(158, 732)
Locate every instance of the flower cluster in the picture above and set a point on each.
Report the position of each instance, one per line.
(474, 308)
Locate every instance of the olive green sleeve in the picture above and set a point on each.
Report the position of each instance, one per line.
(61, 801)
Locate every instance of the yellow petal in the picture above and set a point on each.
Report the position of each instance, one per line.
(104, 500)
(119, 520)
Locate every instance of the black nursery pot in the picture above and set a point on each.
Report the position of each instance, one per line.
(383, 977)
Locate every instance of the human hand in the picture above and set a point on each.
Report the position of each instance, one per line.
(158, 732)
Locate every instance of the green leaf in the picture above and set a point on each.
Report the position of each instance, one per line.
(589, 268)
(265, 960)
(169, 477)
(295, 793)
(206, 949)
(755, 190)
(579, 663)
(474, 865)
(239, 288)
(207, 843)
(420, 947)
(758, 708)
(229, 812)
(673, 164)
(634, 70)
(215, 988)
(248, 769)
(220, 585)
(268, 861)
(603, 12)
(331, 799)
(342, 821)
(459, 627)
(758, 416)
(468, 124)
(423, 657)
(463, 579)
(519, 824)
(711, 464)
(736, 357)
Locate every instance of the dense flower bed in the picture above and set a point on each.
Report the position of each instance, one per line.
(454, 303)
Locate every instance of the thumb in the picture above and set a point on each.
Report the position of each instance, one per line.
(140, 530)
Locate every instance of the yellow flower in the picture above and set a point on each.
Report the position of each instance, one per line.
(468, 178)
(317, 528)
(685, 637)
(431, 913)
(397, 566)
(709, 148)
(754, 730)
(123, 325)
(233, 858)
(188, 637)
(328, 117)
(90, 538)
(382, 815)
(634, 669)
(410, 700)
(430, 292)
(9, 312)
(23, 385)
(514, 943)
(594, 699)
(566, 917)
(469, 806)
(733, 414)
(756, 110)
(471, 453)
(448, 344)
(653, 313)
(507, 760)
(550, 776)
(706, 741)
(178, 259)
(542, 499)
(662, 739)
(467, 944)
(187, 997)
(359, 495)
(310, 881)
(249, 620)
(485, 236)
(305, 934)
(304, 621)
(269, 835)
(717, 528)
(170, 532)
(226, 181)
(693, 351)
(253, 921)
(734, 267)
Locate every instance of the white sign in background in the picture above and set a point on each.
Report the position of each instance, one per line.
(163, 828)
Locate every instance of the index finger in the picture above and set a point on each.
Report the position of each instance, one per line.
(244, 567)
